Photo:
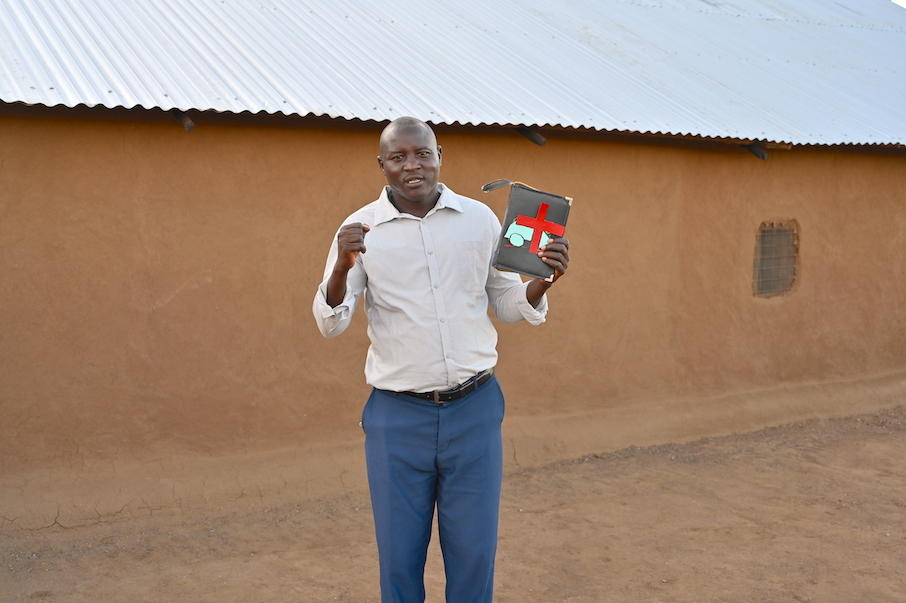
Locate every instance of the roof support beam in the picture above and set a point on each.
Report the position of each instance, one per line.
(184, 119)
(532, 134)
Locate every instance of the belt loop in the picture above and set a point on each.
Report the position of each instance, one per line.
(436, 397)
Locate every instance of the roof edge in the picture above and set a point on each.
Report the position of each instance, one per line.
(261, 118)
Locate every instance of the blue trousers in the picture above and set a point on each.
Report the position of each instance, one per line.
(422, 455)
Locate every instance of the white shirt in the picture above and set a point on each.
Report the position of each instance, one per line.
(428, 283)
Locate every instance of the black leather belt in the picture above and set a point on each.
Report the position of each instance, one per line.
(467, 387)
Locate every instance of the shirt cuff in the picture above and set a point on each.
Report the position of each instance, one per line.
(332, 321)
(532, 315)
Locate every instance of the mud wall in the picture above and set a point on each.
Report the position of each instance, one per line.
(155, 289)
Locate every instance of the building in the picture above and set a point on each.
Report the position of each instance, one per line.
(171, 176)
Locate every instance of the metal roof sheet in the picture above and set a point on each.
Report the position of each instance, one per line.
(791, 71)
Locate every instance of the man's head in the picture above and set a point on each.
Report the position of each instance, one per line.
(410, 160)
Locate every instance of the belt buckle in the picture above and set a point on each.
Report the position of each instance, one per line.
(472, 381)
(437, 393)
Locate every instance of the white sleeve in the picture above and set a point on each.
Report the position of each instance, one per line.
(507, 296)
(333, 321)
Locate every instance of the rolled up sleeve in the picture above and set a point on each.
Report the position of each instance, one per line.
(333, 321)
(507, 296)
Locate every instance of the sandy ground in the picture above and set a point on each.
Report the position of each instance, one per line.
(812, 511)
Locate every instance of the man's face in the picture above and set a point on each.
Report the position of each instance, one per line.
(410, 160)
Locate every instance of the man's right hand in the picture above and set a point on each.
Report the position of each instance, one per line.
(350, 243)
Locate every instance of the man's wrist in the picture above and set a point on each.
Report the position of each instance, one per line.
(340, 271)
(336, 287)
(535, 291)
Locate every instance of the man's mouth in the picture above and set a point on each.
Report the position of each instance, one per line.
(414, 180)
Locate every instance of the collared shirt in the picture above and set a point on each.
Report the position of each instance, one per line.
(427, 284)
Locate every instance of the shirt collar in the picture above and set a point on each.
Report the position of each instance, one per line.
(385, 210)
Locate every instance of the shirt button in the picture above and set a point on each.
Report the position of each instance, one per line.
(436, 286)
(449, 354)
(443, 320)
(430, 252)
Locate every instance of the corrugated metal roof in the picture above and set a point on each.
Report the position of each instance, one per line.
(793, 71)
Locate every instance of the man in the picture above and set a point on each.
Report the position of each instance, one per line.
(421, 257)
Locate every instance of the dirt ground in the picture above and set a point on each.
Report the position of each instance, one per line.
(807, 512)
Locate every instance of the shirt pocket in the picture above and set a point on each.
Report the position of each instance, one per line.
(474, 261)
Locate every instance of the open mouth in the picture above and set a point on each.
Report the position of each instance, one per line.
(414, 180)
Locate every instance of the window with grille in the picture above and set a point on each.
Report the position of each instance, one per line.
(776, 258)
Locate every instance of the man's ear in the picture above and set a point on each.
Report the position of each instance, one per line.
(380, 162)
(440, 155)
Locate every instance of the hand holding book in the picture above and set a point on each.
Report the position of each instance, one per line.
(531, 240)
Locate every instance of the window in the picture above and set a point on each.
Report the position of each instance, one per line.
(776, 258)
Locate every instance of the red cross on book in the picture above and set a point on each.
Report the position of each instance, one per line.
(532, 218)
(540, 227)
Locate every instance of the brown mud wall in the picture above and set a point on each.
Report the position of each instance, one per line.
(158, 348)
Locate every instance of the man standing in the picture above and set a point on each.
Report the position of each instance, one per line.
(421, 256)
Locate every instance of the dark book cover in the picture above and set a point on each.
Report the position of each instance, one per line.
(532, 217)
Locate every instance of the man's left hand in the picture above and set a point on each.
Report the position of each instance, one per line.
(556, 254)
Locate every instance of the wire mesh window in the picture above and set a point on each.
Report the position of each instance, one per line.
(776, 258)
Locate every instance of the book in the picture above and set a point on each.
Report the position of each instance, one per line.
(532, 218)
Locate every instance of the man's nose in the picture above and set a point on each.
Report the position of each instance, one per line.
(411, 163)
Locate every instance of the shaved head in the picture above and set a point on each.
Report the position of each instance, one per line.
(408, 125)
(410, 160)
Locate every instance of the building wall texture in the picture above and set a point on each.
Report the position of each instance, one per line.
(155, 292)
